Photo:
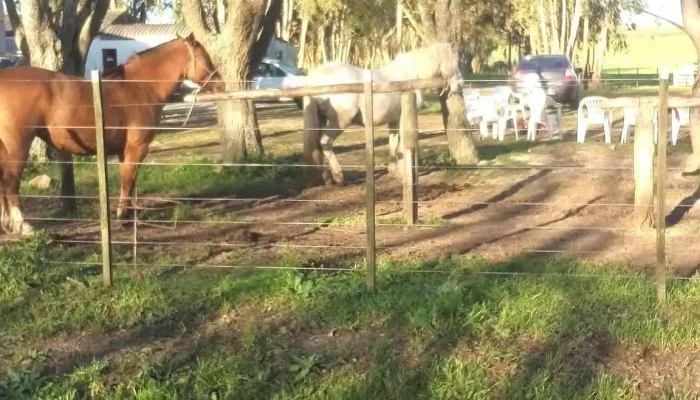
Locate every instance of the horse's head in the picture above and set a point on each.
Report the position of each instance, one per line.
(201, 69)
(449, 66)
(442, 61)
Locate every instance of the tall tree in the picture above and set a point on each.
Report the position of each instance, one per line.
(236, 41)
(555, 27)
(441, 21)
(691, 25)
(56, 35)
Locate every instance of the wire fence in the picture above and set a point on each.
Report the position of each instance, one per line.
(284, 217)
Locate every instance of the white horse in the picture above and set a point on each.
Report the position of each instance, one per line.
(332, 114)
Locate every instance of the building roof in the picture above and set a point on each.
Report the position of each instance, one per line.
(111, 17)
(134, 31)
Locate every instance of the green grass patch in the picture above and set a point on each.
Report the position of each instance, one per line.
(358, 220)
(527, 328)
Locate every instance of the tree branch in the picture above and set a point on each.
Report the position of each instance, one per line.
(16, 22)
(427, 20)
(193, 13)
(412, 20)
(267, 33)
(677, 25)
(691, 20)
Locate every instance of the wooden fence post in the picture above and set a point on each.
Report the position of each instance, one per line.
(369, 158)
(661, 188)
(644, 167)
(409, 141)
(102, 178)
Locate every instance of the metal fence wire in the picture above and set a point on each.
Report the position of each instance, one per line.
(371, 225)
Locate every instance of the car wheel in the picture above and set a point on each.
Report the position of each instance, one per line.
(300, 102)
(573, 102)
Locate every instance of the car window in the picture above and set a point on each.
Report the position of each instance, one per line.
(544, 63)
(276, 72)
(6, 63)
(290, 69)
(264, 70)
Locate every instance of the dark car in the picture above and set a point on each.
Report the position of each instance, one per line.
(8, 62)
(556, 74)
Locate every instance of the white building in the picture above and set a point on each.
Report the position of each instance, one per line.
(115, 43)
(121, 36)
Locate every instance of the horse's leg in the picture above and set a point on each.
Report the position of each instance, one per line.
(12, 219)
(394, 148)
(326, 174)
(328, 136)
(130, 160)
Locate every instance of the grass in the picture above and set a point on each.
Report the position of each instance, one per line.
(203, 179)
(538, 328)
(554, 332)
(646, 50)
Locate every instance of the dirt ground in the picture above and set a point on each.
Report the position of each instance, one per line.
(546, 197)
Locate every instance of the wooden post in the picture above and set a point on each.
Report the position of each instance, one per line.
(409, 141)
(102, 178)
(368, 118)
(136, 227)
(644, 167)
(661, 188)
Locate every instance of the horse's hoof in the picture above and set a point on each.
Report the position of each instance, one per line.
(339, 180)
(126, 224)
(26, 230)
(392, 168)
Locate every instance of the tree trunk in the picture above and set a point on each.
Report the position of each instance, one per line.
(235, 50)
(691, 23)
(534, 46)
(644, 168)
(554, 27)
(446, 15)
(302, 41)
(586, 53)
(399, 25)
(573, 33)
(562, 29)
(459, 138)
(544, 42)
(240, 136)
(602, 44)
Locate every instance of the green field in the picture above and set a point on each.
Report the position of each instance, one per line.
(451, 327)
(650, 49)
(459, 334)
(646, 50)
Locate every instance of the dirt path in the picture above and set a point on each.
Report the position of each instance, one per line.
(517, 207)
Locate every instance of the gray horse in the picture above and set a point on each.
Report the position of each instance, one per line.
(332, 114)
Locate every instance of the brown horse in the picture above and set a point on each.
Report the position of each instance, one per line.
(59, 109)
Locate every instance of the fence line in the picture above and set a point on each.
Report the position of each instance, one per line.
(368, 88)
(340, 201)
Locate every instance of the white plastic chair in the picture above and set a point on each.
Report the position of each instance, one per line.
(539, 102)
(679, 117)
(510, 113)
(470, 94)
(629, 118)
(594, 115)
(493, 113)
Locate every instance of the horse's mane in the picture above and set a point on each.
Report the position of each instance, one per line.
(118, 71)
(438, 59)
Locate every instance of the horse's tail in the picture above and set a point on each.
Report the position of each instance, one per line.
(4, 220)
(419, 99)
(312, 140)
